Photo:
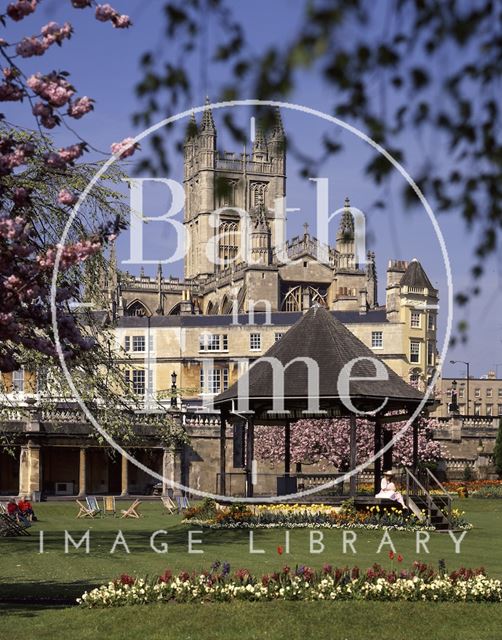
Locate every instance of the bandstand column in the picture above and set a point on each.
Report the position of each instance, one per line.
(223, 455)
(415, 445)
(378, 462)
(249, 457)
(287, 448)
(353, 454)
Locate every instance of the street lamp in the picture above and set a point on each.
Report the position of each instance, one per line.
(173, 389)
(454, 403)
(467, 364)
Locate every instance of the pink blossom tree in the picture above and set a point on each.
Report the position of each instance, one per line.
(33, 211)
(327, 442)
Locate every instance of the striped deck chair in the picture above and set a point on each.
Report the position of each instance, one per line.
(169, 504)
(182, 503)
(132, 511)
(92, 504)
(11, 527)
(109, 506)
(85, 511)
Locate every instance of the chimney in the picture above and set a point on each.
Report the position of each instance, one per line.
(363, 302)
(186, 303)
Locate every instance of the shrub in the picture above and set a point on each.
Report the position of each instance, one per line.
(493, 491)
(467, 473)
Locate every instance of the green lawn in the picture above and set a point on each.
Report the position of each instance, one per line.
(26, 574)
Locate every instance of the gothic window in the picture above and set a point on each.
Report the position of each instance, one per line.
(226, 305)
(228, 243)
(293, 300)
(212, 309)
(138, 309)
(258, 191)
(226, 192)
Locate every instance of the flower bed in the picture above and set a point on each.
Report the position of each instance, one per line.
(419, 583)
(473, 488)
(317, 516)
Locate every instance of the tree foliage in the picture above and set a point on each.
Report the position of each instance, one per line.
(417, 71)
(327, 442)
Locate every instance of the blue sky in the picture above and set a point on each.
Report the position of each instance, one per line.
(104, 64)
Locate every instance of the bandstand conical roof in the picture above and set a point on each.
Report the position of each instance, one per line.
(318, 335)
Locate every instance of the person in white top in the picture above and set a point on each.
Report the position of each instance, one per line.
(388, 489)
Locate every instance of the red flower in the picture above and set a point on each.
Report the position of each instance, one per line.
(391, 555)
(280, 550)
(399, 558)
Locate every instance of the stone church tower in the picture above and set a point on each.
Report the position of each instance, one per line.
(228, 182)
(235, 258)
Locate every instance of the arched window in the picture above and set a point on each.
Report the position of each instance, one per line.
(293, 300)
(212, 308)
(228, 243)
(137, 308)
(226, 305)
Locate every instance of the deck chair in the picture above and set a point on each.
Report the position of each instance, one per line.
(169, 504)
(92, 504)
(182, 503)
(11, 527)
(132, 511)
(85, 511)
(109, 506)
(3, 507)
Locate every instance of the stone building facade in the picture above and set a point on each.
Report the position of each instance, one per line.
(484, 396)
(225, 313)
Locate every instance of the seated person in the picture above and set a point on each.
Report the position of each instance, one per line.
(388, 489)
(15, 513)
(26, 509)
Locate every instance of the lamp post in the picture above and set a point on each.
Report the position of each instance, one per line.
(454, 403)
(467, 364)
(174, 390)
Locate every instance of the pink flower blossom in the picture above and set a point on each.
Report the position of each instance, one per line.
(46, 114)
(10, 92)
(20, 9)
(31, 46)
(52, 32)
(80, 107)
(9, 161)
(122, 22)
(20, 196)
(71, 153)
(53, 87)
(65, 155)
(54, 160)
(105, 12)
(125, 148)
(327, 442)
(67, 197)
